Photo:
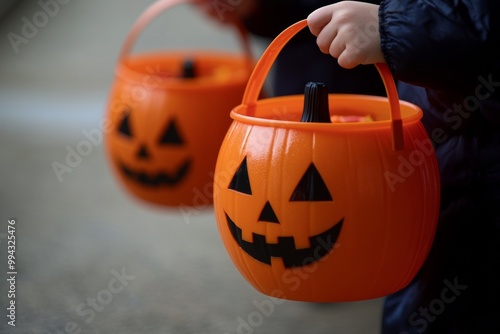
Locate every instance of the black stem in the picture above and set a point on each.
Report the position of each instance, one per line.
(316, 107)
(188, 69)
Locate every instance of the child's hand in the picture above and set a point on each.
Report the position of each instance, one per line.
(348, 30)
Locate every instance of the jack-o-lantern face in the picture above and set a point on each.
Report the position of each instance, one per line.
(167, 119)
(170, 137)
(304, 207)
(310, 187)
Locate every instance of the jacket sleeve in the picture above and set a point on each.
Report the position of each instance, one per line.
(441, 44)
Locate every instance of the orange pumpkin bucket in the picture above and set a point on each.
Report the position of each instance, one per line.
(168, 113)
(326, 211)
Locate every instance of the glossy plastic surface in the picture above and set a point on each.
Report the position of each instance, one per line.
(165, 130)
(326, 212)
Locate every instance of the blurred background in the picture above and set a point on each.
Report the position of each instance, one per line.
(90, 258)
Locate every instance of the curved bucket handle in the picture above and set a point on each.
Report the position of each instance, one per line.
(267, 59)
(159, 7)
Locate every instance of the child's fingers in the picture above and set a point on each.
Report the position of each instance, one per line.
(338, 45)
(340, 31)
(318, 19)
(348, 58)
(326, 38)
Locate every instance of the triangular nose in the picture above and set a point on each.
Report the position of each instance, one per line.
(143, 152)
(268, 215)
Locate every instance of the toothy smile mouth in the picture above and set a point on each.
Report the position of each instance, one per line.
(159, 179)
(259, 249)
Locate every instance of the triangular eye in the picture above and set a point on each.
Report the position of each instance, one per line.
(311, 187)
(124, 127)
(240, 181)
(171, 136)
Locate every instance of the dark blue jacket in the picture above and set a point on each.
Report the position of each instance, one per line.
(446, 55)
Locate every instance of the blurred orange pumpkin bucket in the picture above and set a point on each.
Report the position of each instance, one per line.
(317, 210)
(167, 115)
